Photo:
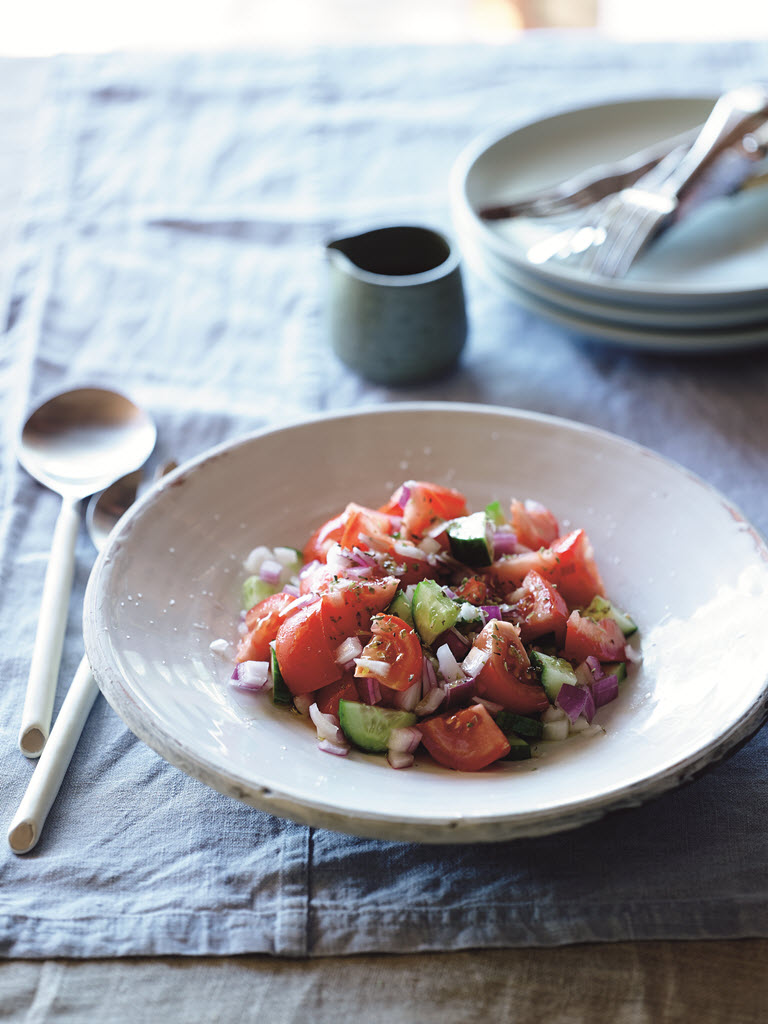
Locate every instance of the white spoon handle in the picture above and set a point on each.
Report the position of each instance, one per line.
(46, 656)
(49, 772)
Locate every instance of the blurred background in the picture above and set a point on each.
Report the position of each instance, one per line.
(44, 27)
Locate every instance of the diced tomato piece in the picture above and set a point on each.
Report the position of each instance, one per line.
(540, 609)
(349, 604)
(533, 524)
(568, 564)
(396, 645)
(475, 590)
(394, 507)
(263, 622)
(584, 637)
(507, 677)
(512, 569)
(465, 740)
(327, 698)
(329, 533)
(366, 528)
(576, 574)
(304, 654)
(316, 577)
(428, 504)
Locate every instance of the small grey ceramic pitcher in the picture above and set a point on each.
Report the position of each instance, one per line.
(396, 304)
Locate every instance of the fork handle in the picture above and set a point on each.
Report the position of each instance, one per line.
(734, 114)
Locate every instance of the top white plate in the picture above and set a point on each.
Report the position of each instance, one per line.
(168, 582)
(719, 255)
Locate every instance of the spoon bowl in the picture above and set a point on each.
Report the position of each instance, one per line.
(79, 442)
(76, 443)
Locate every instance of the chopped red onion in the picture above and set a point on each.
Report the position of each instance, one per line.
(490, 705)
(371, 542)
(337, 559)
(449, 593)
(363, 558)
(572, 699)
(348, 650)
(556, 730)
(510, 613)
(327, 726)
(491, 611)
(270, 571)
(379, 669)
(309, 567)
(437, 532)
(474, 662)
(289, 588)
(406, 550)
(459, 692)
(339, 749)
(371, 691)
(595, 667)
(449, 667)
(403, 495)
(404, 740)
(428, 674)
(359, 572)
(458, 644)
(398, 760)
(584, 674)
(301, 602)
(430, 546)
(303, 701)
(431, 702)
(589, 707)
(605, 690)
(252, 676)
(406, 700)
(504, 543)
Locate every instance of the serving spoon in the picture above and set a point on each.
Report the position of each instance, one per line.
(76, 443)
(102, 513)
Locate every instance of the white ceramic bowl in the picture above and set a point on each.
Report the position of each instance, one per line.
(672, 551)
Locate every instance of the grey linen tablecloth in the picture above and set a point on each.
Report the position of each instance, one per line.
(170, 244)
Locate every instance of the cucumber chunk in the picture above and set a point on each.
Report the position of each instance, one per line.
(601, 608)
(433, 612)
(369, 727)
(401, 607)
(615, 668)
(254, 590)
(471, 539)
(522, 725)
(280, 693)
(519, 749)
(495, 513)
(553, 672)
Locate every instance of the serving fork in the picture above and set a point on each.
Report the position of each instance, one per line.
(632, 217)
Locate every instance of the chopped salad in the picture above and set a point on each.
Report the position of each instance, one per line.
(423, 626)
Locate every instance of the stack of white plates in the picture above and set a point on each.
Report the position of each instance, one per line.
(703, 285)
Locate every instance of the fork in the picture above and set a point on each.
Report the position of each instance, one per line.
(631, 218)
(588, 187)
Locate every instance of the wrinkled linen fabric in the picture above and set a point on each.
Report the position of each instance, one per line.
(170, 244)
